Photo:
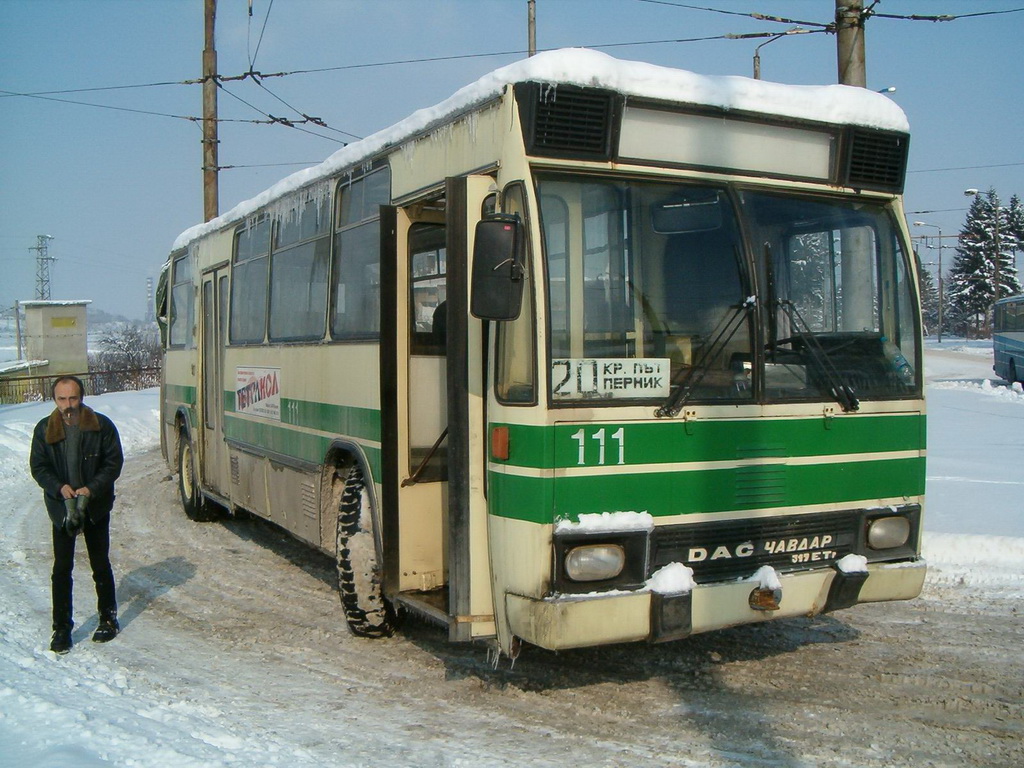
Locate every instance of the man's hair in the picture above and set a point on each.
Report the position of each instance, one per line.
(59, 379)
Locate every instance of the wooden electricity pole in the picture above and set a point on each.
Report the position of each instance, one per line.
(850, 42)
(211, 193)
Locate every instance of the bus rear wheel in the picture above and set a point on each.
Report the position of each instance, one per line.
(1013, 373)
(360, 577)
(192, 501)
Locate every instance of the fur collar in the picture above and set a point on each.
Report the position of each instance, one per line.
(87, 422)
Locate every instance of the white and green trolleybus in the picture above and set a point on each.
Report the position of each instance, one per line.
(592, 352)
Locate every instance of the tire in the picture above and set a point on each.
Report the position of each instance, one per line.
(192, 501)
(1013, 378)
(360, 576)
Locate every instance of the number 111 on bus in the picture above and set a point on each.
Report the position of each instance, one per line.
(616, 446)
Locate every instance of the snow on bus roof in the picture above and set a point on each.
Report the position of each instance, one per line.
(834, 104)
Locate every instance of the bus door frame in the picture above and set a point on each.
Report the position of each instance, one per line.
(213, 297)
(459, 501)
(470, 597)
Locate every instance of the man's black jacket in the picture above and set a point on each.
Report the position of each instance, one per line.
(101, 457)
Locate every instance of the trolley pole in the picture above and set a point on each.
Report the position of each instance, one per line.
(531, 22)
(850, 19)
(211, 193)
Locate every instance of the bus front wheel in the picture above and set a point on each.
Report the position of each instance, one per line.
(192, 501)
(360, 577)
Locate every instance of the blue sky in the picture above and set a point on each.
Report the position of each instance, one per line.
(115, 187)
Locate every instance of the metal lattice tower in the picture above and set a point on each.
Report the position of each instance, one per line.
(43, 259)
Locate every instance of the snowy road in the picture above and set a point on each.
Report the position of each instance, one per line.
(234, 652)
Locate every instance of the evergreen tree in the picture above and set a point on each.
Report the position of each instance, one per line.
(988, 237)
(1015, 225)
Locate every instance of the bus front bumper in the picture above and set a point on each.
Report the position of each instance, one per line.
(575, 621)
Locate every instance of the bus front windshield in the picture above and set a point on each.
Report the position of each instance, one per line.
(702, 293)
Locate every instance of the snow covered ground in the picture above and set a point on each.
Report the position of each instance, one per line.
(233, 651)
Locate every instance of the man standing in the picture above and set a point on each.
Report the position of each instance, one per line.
(76, 457)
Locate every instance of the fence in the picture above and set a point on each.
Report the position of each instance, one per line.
(27, 389)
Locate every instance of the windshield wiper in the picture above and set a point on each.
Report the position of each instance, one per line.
(692, 376)
(842, 392)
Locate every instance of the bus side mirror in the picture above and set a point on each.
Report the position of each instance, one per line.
(497, 281)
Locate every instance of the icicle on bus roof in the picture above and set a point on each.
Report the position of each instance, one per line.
(833, 104)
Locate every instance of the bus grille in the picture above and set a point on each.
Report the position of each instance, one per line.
(735, 549)
(876, 160)
(568, 121)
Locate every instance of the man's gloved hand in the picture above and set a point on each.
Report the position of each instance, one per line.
(74, 518)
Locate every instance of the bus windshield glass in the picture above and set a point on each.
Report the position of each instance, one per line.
(695, 292)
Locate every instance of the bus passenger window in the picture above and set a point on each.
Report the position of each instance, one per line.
(181, 302)
(249, 283)
(298, 272)
(355, 298)
(427, 289)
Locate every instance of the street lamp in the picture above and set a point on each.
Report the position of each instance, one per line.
(995, 236)
(926, 224)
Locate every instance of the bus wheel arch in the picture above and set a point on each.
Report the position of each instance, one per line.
(196, 506)
(360, 571)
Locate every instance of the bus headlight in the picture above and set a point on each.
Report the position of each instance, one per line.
(595, 562)
(888, 532)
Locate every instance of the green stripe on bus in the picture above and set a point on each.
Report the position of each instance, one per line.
(178, 393)
(546, 499)
(360, 423)
(712, 440)
(285, 441)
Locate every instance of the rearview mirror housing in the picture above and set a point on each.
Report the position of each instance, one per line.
(498, 269)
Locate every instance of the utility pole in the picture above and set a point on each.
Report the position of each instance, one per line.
(850, 19)
(43, 260)
(17, 326)
(211, 203)
(531, 13)
(149, 301)
(927, 245)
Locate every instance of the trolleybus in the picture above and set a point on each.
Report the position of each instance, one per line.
(592, 352)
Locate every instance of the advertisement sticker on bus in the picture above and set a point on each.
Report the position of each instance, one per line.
(258, 392)
(610, 378)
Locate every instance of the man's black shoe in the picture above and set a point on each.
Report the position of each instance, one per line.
(61, 641)
(106, 631)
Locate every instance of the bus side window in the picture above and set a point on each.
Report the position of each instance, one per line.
(355, 295)
(181, 302)
(298, 271)
(249, 283)
(427, 281)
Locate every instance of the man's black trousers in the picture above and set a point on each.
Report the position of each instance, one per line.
(97, 542)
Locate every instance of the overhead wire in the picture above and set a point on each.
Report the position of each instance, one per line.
(272, 120)
(252, 73)
(258, 77)
(965, 168)
(750, 15)
(945, 16)
(252, 58)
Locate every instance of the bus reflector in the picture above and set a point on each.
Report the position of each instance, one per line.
(499, 443)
